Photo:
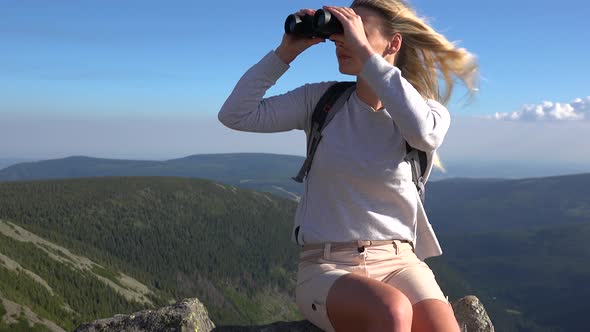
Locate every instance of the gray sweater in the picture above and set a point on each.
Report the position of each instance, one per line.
(359, 187)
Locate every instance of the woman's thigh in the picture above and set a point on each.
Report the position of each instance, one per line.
(430, 307)
(357, 303)
(415, 279)
(434, 315)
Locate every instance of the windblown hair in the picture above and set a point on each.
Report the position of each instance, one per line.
(425, 54)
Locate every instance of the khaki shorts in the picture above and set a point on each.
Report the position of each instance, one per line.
(395, 264)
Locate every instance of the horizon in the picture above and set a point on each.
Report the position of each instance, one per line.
(476, 170)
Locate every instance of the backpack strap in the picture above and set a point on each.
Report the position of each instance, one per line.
(418, 161)
(325, 110)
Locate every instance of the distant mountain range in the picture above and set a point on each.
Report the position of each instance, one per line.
(259, 171)
(5, 162)
(479, 169)
(263, 172)
(453, 168)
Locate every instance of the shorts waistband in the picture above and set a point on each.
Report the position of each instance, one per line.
(354, 244)
(360, 245)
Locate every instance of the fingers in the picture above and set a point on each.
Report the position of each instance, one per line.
(342, 13)
(354, 36)
(306, 11)
(352, 23)
(317, 40)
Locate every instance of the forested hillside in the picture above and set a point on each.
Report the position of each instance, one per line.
(181, 237)
(540, 275)
(59, 286)
(231, 248)
(460, 206)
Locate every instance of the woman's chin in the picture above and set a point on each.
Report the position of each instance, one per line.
(347, 68)
(348, 71)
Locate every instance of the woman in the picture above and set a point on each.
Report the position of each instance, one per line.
(360, 221)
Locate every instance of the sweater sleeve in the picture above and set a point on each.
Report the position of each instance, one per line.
(423, 123)
(246, 109)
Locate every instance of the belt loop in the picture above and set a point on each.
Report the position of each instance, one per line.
(396, 246)
(327, 247)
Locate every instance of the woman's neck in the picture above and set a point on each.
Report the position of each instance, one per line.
(366, 94)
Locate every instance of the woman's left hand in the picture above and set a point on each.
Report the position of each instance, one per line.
(354, 31)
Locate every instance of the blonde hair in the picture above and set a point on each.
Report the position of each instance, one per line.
(424, 51)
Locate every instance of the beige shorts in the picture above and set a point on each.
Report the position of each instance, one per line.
(395, 264)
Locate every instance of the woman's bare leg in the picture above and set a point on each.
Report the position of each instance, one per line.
(433, 315)
(357, 303)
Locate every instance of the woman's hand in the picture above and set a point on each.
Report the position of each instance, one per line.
(291, 46)
(355, 37)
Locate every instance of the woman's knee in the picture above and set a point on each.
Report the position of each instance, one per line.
(394, 313)
(355, 301)
(434, 315)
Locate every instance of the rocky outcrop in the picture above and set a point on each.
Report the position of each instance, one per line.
(472, 316)
(191, 315)
(186, 315)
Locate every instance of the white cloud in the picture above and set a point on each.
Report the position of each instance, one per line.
(577, 110)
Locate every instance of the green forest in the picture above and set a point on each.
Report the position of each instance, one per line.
(183, 238)
(231, 248)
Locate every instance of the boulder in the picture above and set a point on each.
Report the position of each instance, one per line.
(186, 315)
(471, 315)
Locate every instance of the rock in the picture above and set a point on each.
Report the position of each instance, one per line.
(191, 315)
(186, 315)
(471, 315)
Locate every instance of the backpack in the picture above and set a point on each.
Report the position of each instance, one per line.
(326, 108)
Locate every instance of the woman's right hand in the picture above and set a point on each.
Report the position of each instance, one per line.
(291, 46)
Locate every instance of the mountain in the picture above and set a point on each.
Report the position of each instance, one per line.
(480, 205)
(258, 171)
(264, 172)
(46, 284)
(543, 273)
(506, 169)
(178, 237)
(63, 242)
(231, 247)
(5, 162)
(253, 170)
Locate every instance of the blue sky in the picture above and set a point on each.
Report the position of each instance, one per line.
(85, 65)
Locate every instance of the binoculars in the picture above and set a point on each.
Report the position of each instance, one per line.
(322, 24)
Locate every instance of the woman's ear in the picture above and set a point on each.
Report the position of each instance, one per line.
(395, 43)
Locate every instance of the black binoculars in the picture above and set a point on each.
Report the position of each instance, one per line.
(322, 24)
